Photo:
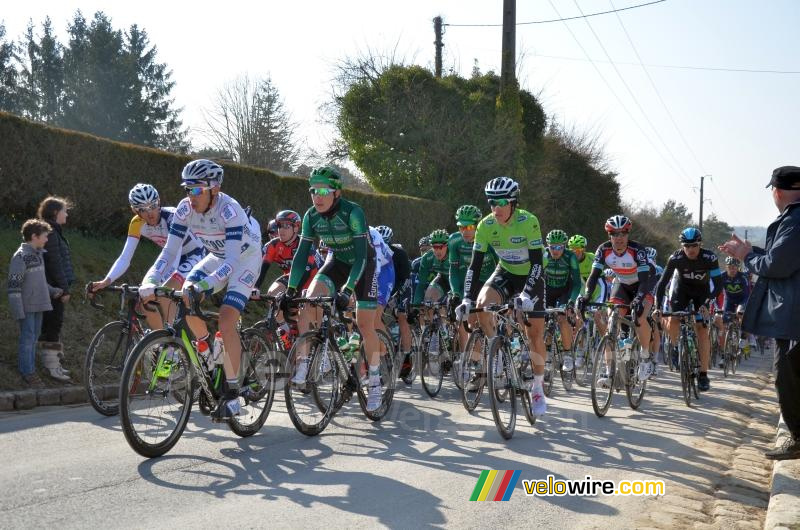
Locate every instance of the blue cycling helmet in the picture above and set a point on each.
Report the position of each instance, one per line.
(691, 235)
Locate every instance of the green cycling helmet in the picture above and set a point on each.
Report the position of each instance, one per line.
(439, 236)
(326, 175)
(577, 241)
(556, 237)
(467, 215)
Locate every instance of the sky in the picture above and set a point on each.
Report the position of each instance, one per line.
(662, 128)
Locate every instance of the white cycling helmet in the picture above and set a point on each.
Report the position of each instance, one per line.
(143, 196)
(386, 233)
(502, 188)
(618, 223)
(201, 172)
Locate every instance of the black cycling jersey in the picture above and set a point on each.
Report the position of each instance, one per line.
(402, 267)
(693, 274)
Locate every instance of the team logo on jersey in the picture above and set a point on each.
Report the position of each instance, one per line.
(183, 210)
(223, 272)
(641, 255)
(518, 239)
(694, 275)
(247, 278)
(228, 212)
(161, 265)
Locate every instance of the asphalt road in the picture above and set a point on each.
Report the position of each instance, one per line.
(67, 467)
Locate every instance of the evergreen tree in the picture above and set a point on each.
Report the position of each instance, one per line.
(42, 75)
(9, 94)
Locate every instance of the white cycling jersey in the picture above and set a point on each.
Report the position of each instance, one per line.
(224, 230)
(383, 252)
(158, 234)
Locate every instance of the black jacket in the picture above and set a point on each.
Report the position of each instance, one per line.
(58, 260)
(774, 306)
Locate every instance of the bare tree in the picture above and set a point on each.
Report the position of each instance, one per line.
(248, 120)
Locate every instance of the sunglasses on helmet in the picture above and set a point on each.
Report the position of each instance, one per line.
(322, 192)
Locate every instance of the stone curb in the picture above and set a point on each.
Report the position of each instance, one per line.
(783, 511)
(28, 399)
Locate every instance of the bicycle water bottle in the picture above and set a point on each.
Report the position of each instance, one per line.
(204, 352)
(219, 348)
(354, 343)
(344, 347)
(515, 345)
(283, 335)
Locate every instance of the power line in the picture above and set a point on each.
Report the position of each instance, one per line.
(555, 19)
(725, 202)
(678, 67)
(613, 92)
(658, 93)
(634, 98)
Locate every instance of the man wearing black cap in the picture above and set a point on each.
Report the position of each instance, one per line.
(774, 306)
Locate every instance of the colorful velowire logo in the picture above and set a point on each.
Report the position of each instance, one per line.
(495, 485)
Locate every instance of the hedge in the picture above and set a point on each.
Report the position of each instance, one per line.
(95, 174)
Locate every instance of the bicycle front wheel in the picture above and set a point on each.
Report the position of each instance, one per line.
(686, 370)
(502, 393)
(473, 372)
(583, 352)
(311, 401)
(635, 388)
(155, 394)
(602, 377)
(431, 373)
(105, 359)
(258, 387)
(550, 362)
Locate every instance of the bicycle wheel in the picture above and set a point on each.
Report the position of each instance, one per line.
(312, 403)
(387, 378)
(635, 388)
(258, 387)
(686, 375)
(456, 353)
(602, 369)
(549, 367)
(105, 359)
(567, 377)
(501, 387)
(732, 349)
(430, 372)
(582, 351)
(155, 394)
(473, 371)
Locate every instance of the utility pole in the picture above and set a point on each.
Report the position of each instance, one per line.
(745, 234)
(437, 30)
(508, 59)
(702, 178)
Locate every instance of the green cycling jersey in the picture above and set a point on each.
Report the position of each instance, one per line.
(562, 272)
(343, 229)
(511, 242)
(459, 254)
(429, 267)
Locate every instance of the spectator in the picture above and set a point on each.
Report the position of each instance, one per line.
(774, 306)
(59, 273)
(29, 296)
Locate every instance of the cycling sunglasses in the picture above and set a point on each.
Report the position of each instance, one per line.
(467, 227)
(439, 246)
(556, 247)
(145, 209)
(322, 192)
(691, 245)
(285, 225)
(499, 202)
(196, 191)
(617, 234)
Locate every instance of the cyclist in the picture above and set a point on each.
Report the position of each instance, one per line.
(152, 221)
(656, 271)
(385, 272)
(736, 291)
(516, 238)
(628, 260)
(433, 282)
(233, 240)
(281, 249)
(349, 269)
(562, 279)
(402, 283)
(459, 252)
(407, 296)
(695, 267)
(272, 229)
(577, 244)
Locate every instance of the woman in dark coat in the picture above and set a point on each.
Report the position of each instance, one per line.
(59, 273)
